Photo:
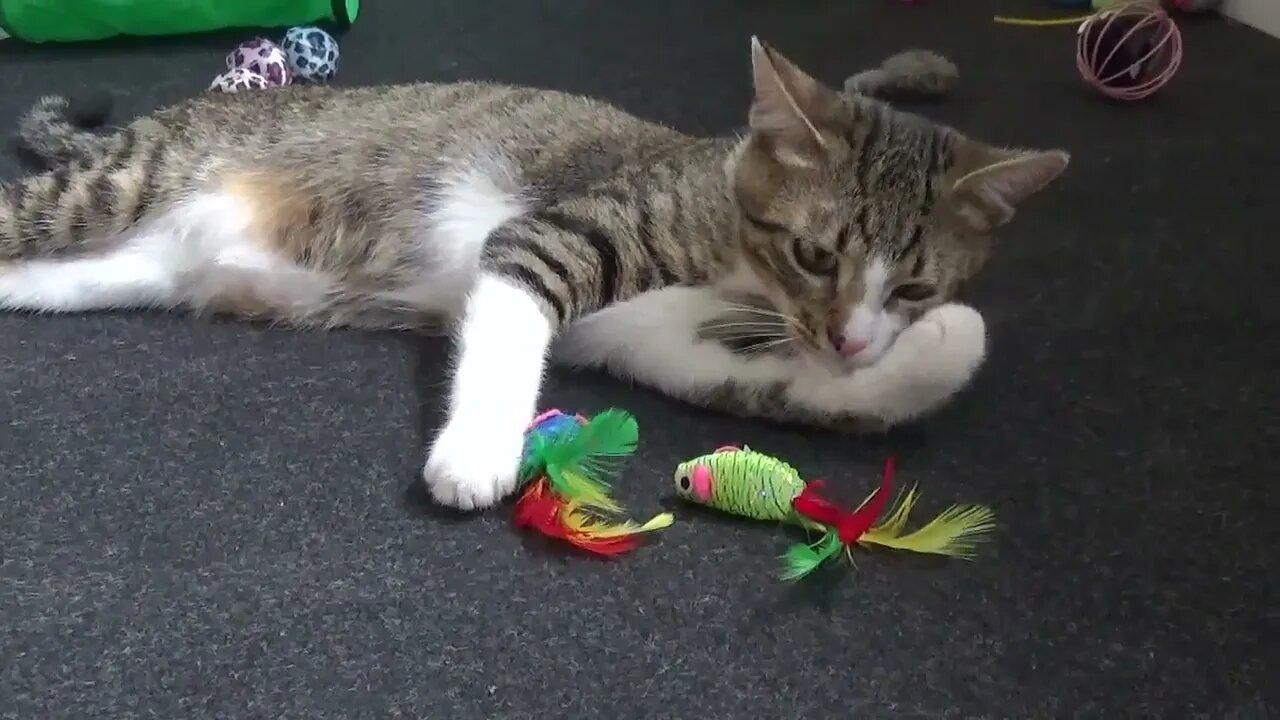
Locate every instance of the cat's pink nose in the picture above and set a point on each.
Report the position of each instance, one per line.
(846, 346)
(849, 348)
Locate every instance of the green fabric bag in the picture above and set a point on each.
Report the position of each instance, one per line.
(78, 20)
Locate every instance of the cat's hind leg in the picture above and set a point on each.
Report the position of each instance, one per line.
(133, 275)
(199, 254)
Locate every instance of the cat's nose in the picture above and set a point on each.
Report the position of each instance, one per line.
(850, 348)
(846, 346)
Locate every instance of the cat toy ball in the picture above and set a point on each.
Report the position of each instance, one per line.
(565, 458)
(312, 52)
(262, 57)
(744, 482)
(1129, 51)
(238, 79)
(306, 54)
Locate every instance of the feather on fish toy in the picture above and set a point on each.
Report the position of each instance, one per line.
(751, 484)
(565, 460)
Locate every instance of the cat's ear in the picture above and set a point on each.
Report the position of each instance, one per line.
(787, 108)
(988, 195)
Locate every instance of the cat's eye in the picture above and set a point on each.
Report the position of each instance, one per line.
(813, 258)
(914, 292)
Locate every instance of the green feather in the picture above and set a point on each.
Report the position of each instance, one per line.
(612, 433)
(576, 462)
(530, 464)
(800, 560)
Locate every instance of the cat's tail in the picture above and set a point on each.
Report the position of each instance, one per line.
(84, 206)
(909, 75)
(58, 130)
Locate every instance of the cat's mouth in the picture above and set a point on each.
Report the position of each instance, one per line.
(824, 349)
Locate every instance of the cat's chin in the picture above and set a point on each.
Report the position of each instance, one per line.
(829, 362)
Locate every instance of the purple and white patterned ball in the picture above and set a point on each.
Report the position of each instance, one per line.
(312, 53)
(237, 79)
(262, 57)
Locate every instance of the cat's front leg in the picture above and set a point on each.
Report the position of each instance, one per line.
(537, 273)
(655, 339)
(932, 359)
(502, 344)
(521, 296)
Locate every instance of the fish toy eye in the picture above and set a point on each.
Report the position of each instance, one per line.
(684, 483)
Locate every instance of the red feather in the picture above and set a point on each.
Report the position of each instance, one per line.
(538, 508)
(810, 504)
(608, 547)
(542, 510)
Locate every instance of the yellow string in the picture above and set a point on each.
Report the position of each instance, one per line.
(1033, 22)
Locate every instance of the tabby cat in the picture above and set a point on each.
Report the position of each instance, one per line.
(804, 270)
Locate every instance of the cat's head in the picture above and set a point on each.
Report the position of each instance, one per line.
(858, 218)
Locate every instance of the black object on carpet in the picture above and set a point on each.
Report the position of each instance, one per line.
(204, 519)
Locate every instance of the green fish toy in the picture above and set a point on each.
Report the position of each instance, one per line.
(744, 482)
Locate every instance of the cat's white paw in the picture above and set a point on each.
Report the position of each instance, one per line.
(948, 343)
(936, 357)
(472, 466)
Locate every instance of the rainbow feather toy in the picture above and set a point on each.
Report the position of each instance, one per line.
(565, 461)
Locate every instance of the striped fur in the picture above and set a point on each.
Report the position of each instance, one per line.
(57, 130)
(538, 222)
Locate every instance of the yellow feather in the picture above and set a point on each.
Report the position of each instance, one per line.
(896, 520)
(580, 521)
(587, 494)
(661, 521)
(955, 532)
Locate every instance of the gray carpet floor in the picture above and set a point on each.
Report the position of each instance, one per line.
(207, 519)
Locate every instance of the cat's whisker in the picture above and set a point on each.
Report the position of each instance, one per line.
(744, 334)
(768, 312)
(778, 318)
(762, 346)
(731, 317)
(734, 304)
(764, 325)
(746, 306)
(753, 336)
(765, 313)
(762, 328)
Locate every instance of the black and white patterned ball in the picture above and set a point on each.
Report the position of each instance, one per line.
(237, 79)
(262, 57)
(312, 53)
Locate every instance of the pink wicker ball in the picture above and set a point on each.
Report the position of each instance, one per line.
(1129, 51)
